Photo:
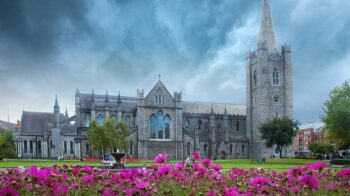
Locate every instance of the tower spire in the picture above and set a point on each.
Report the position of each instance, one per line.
(267, 35)
(56, 107)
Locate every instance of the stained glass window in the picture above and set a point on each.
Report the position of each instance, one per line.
(167, 127)
(199, 124)
(255, 79)
(153, 126)
(160, 125)
(187, 123)
(100, 119)
(87, 120)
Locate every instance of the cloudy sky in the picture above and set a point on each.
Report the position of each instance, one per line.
(52, 47)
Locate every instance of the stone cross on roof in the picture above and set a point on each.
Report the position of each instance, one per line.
(267, 34)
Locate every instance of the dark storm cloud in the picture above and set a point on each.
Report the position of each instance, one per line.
(198, 46)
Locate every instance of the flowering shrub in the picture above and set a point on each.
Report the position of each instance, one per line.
(163, 178)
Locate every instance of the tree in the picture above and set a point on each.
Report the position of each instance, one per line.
(337, 114)
(321, 148)
(109, 137)
(279, 132)
(7, 144)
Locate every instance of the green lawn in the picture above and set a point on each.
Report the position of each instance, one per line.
(276, 164)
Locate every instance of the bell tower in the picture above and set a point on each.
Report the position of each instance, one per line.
(269, 85)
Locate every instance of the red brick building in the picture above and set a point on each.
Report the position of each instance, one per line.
(307, 134)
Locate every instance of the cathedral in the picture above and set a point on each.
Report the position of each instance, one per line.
(160, 121)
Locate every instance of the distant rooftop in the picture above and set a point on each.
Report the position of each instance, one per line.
(7, 125)
(313, 125)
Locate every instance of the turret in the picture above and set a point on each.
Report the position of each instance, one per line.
(56, 110)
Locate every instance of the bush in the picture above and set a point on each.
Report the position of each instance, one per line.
(340, 162)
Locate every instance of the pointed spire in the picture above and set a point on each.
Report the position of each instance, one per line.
(267, 35)
(92, 95)
(212, 109)
(119, 99)
(66, 114)
(77, 92)
(56, 107)
(107, 99)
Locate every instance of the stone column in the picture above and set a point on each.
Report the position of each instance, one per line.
(77, 150)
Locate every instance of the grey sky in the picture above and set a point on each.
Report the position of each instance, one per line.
(198, 46)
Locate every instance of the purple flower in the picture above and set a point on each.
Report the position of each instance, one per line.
(319, 165)
(259, 182)
(231, 192)
(164, 169)
(87, 179)
(59, 189)
(196, 155)
(161, 158)
(206, 163)
(142, 185)
(344, 173)
(7, 190)
(308, 181)
(330, 186)
(108, 192)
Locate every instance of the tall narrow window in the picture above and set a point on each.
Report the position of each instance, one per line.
(153, 126)
(231, 149)
(156, 99)
(255, 79)
(39, 147)
(31, 147)
(275, 77)
(188, 148)
(71, 147)
(25, 146)
(87, 121)
(127, 119)
(167, 127)
(65, 147)
(199, 124)
(205, 146)
(237, 126)
(131, 147)
(113, 117)
(100, 119)
(87, 149)
(242, 149)
(160, 125)
(187, 123)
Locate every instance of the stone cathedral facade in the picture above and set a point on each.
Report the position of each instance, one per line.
(160, 121)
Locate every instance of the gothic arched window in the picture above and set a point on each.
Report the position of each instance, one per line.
(100, 119)
(160, 125)
(87, 148)
(167, 127)
(39, 147)
(237, 126)
(199, 124)
(231, 149)
(255, 78)
(153, 126)
(187, 123)
(242, 149)
(188, 148)
(87, 121)
(275, 77)
(205, 146)
(30, 146)
(25, 146)
(127, 119)
(65, 147)
(71, 147)
(113, 117)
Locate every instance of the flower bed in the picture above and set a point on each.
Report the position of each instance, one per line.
(183, 178)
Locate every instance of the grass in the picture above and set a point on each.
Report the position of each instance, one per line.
(275, 164)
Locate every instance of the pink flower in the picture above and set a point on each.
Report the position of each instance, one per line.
(108, 192)
(206, 163)
(211, 193)
(216, 167)
(308, 181)
(231, 192)
(196, 155)
(59, 189)
(87, 179)
(142, 185)
(319, 165)
(330, 186)
(7, 190)
(161, 158)
(258, 182)
(296, 171)
(164, 169)
(295, 189)
(344, 173)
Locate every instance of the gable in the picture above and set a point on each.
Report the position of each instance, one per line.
(159, 96)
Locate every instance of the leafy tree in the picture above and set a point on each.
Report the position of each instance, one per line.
(7, 144)
(109, 137)
(321, 148)
(279, 132)
(337, 114)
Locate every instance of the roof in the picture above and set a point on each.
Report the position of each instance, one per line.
(7, 125)
(127, 103)
(34, 122)
(218, 108)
